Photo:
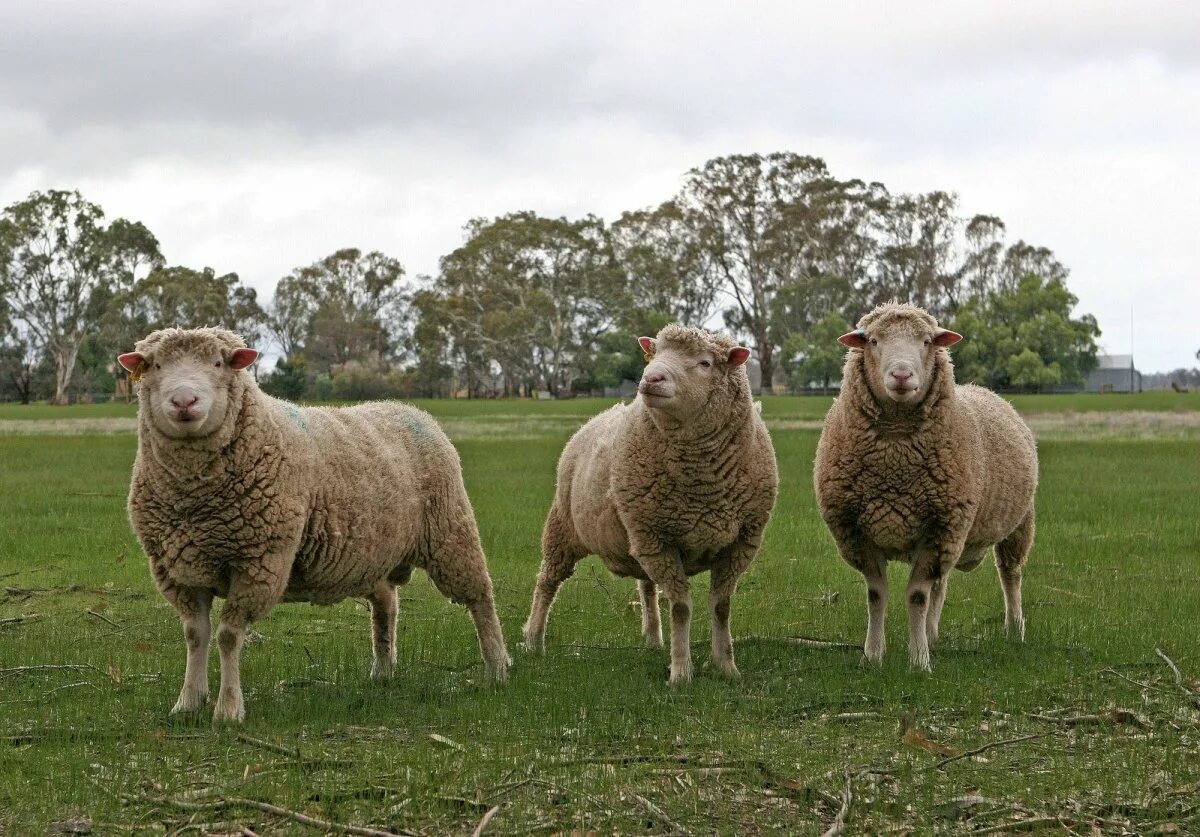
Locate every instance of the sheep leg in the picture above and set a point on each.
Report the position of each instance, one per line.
(1010, 558)
(458, 569)
(561, 551)
(875, 574)
(194, 606)
(666, 570)
(251, 596)
(383, 630)
(929, 569)
(933, 616)
(723, 583)
(651, 622)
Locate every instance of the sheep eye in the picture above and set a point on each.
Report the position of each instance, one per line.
(218, 363)
(158, 366)
(874, 342)
(705, 364)
(928, 341)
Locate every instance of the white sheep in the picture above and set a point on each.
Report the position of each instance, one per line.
(912, 467)
(681, 481)
(238, 495)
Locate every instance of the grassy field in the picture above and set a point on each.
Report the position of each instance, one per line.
(1083, 729)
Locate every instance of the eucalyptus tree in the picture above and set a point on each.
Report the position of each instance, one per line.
(60, 264)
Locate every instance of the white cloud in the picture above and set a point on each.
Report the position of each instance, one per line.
(258, 139)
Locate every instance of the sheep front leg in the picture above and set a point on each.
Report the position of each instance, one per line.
(723, 581)
(875, 572)
(929, 571)
(666, 570)
(252, 593)
(194, 606)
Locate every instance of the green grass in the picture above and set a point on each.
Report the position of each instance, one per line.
(780, 407)
(577, 736)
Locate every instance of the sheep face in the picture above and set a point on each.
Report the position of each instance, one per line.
(186, 377)
(899, 345)
(684, 368)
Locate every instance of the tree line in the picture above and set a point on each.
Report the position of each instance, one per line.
(773, 248)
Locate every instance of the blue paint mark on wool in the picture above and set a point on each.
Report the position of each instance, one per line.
(293, 412)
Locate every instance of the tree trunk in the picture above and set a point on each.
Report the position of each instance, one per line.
(64, 367)
(766, 362)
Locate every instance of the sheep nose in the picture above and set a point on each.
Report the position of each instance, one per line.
(182, 402)
(654, 378)
(901, 377)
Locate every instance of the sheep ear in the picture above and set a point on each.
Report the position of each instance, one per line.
(946, 337)
(131, 361)
(738, 355)
(855, 339)
(648, 344)
(241, 358)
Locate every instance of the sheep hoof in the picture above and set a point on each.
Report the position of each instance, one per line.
(497, 672)
(726, 668)
(189, 702)
(534, 644)
(681, 673)
(873, 656)
(655, 642)
(920, 663)
(229, 710)
(1015, 629)
(383, 669)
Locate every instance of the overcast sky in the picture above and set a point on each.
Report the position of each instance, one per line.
(259, 139)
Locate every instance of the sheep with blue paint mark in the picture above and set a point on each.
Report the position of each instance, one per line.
(257, 501)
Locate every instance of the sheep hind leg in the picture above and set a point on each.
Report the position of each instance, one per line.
(651, 621)
(383, 630)
(561, 551)
(458, 568)
(933, 616)
(1010, 558)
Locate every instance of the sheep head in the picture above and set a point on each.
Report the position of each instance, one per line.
(690, 371)
(185, 377)
(900, 344)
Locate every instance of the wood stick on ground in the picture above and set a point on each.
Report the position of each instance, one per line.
(17, 620)
(13, 672)
(226, 802)
(268, 746)
(655, 811)
(1018, 825)
(839, 822)
(103, 618)
(1193, 698)
(495, 809)
(993, 745)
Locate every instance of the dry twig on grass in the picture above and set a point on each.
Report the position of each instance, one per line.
(838, 827)
(495, 809)
(1192, 697)
(227, 802)
(103, 618)
(993, 745)
(652, 809)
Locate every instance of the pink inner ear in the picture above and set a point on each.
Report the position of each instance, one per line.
(647, 344)
(946, 337)
(242, 358)
(738, 355)
(854, 339)
(130, 361)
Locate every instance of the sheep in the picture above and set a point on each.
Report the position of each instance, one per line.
(680, 481)
(912, 467)
(242, 496)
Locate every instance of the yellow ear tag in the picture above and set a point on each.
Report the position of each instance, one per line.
(136, 374)
(646, 357)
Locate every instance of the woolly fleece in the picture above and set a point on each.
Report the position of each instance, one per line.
(287, 503)
(934, 484)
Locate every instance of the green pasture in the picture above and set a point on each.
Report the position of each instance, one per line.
(1083, 729)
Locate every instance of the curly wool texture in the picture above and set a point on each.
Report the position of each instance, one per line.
(302, 503)
(659, 499)
(935, 483)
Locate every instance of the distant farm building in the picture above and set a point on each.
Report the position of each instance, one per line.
(1114, 373)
